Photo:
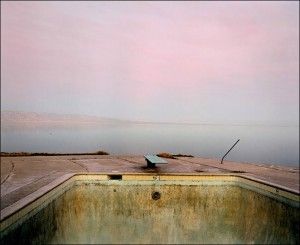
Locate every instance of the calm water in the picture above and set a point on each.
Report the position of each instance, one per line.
(276, 145)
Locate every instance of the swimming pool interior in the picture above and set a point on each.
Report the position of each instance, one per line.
(110, 210)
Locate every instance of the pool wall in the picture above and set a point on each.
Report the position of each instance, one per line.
(33, 203)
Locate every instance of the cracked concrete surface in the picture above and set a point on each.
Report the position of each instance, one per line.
(8, 170)
(21, 176)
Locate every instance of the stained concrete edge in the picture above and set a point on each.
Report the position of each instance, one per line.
(8, 212)
(30, 174)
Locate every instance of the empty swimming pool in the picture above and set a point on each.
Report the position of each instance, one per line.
(155, 209)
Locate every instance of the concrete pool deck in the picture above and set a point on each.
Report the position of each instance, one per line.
(21, 176)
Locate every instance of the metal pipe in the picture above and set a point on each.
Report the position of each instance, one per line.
(229, 150)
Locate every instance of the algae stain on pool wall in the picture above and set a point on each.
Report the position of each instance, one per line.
(183, 214)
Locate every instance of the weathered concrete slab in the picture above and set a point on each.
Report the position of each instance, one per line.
(285, 176)
(21, 176)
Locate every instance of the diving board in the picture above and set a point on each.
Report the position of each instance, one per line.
(153, 159)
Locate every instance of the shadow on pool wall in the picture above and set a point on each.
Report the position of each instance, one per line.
(116, 213)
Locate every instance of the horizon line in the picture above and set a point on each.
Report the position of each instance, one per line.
(142, 121)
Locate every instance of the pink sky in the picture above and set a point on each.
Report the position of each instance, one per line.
(166, 61)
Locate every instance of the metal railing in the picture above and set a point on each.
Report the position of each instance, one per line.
(229, 151)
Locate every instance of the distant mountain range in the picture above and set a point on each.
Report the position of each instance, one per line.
(11, 118)
(16, 117)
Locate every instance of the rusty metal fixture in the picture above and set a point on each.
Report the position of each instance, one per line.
(155, 195)
(229, 151)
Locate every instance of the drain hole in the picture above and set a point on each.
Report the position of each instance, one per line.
(155, 195)
(115, 177)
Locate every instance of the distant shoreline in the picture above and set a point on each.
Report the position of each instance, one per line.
(16, 118)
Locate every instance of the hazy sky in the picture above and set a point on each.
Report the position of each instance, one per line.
(164, 61)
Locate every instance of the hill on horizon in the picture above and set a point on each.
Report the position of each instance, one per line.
(34, 118)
